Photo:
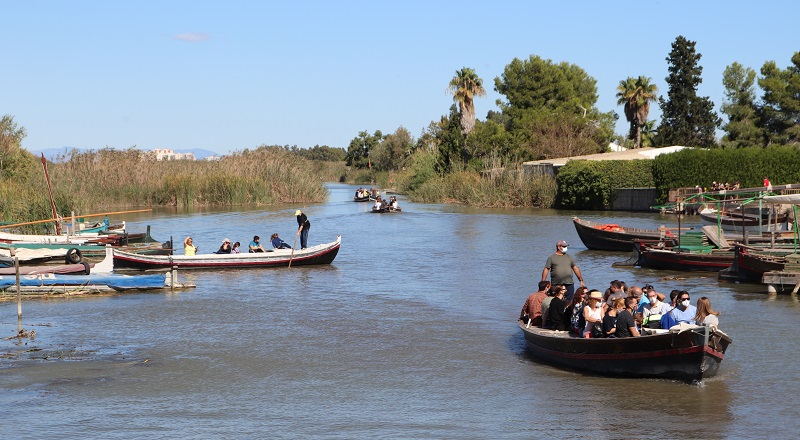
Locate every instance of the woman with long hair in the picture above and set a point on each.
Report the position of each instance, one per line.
(593, 314)
(705, 314)
(573, 315)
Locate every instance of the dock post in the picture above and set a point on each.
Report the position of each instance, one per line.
(19, 294)
(172, 277)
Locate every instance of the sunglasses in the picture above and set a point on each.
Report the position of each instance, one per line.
(685, 298)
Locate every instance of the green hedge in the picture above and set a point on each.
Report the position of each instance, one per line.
(584, 184)
(747, 166)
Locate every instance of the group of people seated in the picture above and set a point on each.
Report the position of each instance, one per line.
(382, 204)
(620, 312)
(362, 192)
(227, 248)
(719, 186)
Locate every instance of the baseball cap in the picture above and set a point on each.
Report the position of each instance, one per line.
(562, 243)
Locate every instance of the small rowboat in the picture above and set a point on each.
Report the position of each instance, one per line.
(362, 199)
(671, 259)
(609, 237)
(735, 221)
(688, 354)
(82, 268)
(319, 254)
(386, 211)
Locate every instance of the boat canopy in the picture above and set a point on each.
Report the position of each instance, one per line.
(787, 199)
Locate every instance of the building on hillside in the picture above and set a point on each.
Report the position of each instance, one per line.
(212, 158)
(551, 166)
(169, 154)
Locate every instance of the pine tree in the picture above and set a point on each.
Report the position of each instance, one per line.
(742, 129)
(686, 119)
(780, 112)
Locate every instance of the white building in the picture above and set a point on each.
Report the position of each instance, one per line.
(169, 154)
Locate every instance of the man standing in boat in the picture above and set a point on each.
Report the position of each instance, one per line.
(560, 266)
(303, 225)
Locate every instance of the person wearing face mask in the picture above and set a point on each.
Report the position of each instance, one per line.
(560, 266)
(626, 325)
(654, 309)
(684, 311)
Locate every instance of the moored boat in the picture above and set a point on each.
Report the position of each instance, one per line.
(689, 354)
(612, 237)
(751, 263)
(680, 260)
(752, 222)
(319, 254)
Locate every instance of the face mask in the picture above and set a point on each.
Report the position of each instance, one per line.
(685, 303)
(564, 250)
(653, 300)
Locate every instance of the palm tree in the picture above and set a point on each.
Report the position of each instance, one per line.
(464, 87)
(636, 94)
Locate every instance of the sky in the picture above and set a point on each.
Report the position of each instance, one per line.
(225, 76)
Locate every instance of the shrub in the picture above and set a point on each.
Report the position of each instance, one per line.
(584, 184)
(747, 166)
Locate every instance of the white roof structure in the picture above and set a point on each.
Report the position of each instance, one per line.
(632, 154)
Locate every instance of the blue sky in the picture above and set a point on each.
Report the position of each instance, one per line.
(231, 75)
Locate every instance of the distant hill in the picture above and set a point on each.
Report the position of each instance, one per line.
(53, 153)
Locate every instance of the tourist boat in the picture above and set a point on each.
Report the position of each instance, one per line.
(681, 260)
(386, 211)
(612, 237)
(319, 254)
(362, 199)
(689, 354)
(752, 222)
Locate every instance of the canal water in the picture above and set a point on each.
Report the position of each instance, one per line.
(410, 333)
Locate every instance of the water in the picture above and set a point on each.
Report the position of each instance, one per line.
(411, 333)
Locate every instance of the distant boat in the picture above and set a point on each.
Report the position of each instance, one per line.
(319, 254)
(736, 221)
(682, 260)
(612, 237)
(386, 211)
(689, 355)
(362, 199)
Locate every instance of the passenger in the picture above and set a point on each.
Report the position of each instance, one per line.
(377, 205)
(394, 205)
(626, 325)
(573, 316)
(610, 320)
(672, 297)
(225, 247)
(638, 293)
(705, 314)
(188, 247)
(277, 243)
(546, 302)
(654, 310)
(555, 314)
(616, 291)
(531, 312)
(593, 315)
(255, 245)
(684, 311)
(235, 248)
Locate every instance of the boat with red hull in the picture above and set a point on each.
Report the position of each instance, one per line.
(670, 259)
(690, 355)
(319, 254)
(612, 237)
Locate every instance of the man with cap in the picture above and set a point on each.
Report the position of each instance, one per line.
(560, 266)
(303, 225)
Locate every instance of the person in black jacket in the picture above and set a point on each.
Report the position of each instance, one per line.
(555, 315)
(303, 225)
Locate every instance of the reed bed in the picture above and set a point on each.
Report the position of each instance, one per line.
(110, 178)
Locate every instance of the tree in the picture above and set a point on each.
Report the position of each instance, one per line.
(780, 113)
(636, 94)
(686, 119)
(360, 147)
(465, 86)
(541, 84)
(389, 154)
(740, 107)
(14, 160)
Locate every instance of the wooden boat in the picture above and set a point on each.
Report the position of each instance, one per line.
(319, 254)
(362, 199)
(81, 268)
(386, 211)
(689, 355)
(114, 281)
(671, 259)
(607, 237)
(734, 221)
(750, 263)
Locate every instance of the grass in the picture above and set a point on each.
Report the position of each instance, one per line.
(109, 178)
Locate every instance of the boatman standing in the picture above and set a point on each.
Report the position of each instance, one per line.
(303, 225)
(560, 266)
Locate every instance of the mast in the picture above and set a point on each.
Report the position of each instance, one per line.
(50, 191)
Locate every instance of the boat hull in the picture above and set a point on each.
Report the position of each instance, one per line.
(682, 261)
(609, 240)
(320, 254)
(691, 355)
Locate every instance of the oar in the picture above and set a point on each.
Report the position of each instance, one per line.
(293, 246)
